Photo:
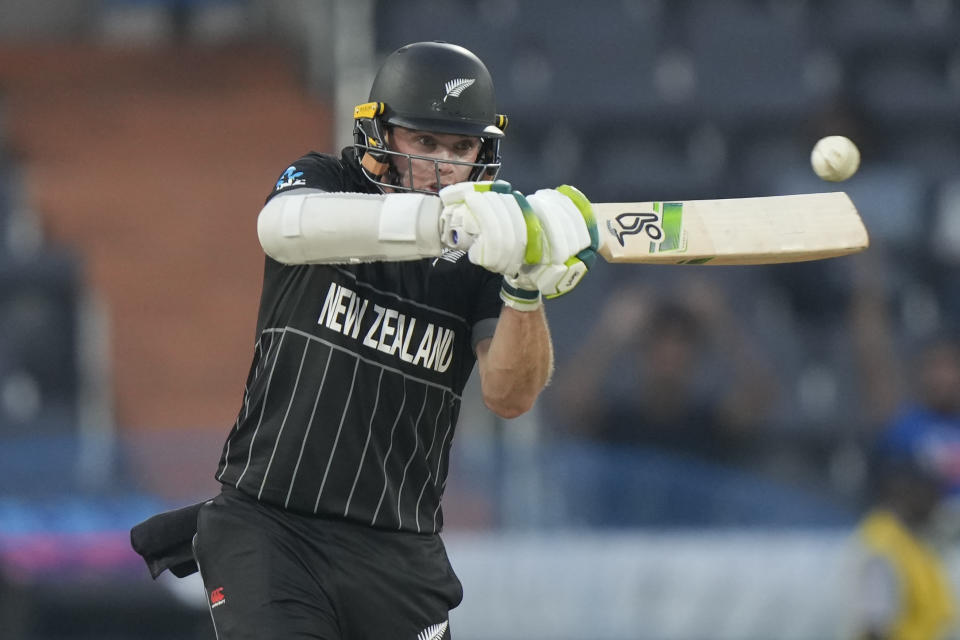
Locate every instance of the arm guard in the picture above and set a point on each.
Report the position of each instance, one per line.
(308, 226)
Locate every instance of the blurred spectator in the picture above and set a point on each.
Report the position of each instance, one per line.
(911, 415)
(901, 589)
(911, 401)
(691, 381)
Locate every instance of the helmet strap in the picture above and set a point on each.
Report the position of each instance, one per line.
(373, 165)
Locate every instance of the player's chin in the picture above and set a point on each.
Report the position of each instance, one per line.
(436, 186)
(432, 187)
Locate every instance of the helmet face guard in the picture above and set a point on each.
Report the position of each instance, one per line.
(388, 168)
(433, 87)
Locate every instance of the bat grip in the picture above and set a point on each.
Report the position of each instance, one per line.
(457, 238)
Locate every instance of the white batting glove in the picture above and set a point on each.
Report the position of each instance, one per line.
(571, 241)
(487, 217)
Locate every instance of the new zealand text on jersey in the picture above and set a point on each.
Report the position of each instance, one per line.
(387, 330)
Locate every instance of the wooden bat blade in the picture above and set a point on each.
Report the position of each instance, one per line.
(732, 231)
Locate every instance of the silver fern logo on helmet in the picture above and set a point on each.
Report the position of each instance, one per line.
(457, 86)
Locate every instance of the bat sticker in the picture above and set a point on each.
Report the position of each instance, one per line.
(628, 224)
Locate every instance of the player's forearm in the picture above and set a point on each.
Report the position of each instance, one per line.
(518, 363)
(308, 226)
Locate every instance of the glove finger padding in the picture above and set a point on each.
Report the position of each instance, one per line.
(496, 223)
(562, 224)
(570, 227)
(500, 243)
(586, 210)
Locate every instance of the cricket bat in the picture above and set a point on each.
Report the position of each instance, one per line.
(733, 231)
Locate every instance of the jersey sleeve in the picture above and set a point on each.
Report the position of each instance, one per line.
(312, 171)
(487, 309)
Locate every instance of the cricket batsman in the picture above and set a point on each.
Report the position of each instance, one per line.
(390, 272)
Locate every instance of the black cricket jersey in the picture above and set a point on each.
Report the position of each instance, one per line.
(353, 394)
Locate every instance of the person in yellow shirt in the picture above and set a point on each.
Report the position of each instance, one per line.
(902, 588)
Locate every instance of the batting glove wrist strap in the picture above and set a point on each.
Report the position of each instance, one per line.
(518, 297)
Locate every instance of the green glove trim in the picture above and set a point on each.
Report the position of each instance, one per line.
(588, 257)
(533, 253)
(519, 299)
(586, 210)
(576, 269)
(500, 186)
(516, 292)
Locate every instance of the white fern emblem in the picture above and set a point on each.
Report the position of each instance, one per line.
(457, 86)
(436, 631)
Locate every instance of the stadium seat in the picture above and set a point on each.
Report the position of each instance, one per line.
(751, 66)
(861, 29)
(633, 165)
(934, 151)
(400, 23)
(550, 60)
(908, 91)
(600, 63)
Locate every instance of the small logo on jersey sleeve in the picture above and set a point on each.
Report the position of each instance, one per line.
(217, 598)
(434, 632)
(290, 178)
(450, 255)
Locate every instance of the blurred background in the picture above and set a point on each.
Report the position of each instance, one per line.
(700, 463)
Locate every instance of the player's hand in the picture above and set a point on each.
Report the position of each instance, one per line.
(495, 222)
(571, 240)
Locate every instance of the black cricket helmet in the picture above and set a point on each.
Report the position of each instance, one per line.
(428, 86)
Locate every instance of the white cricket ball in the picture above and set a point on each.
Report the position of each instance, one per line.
(835, 158)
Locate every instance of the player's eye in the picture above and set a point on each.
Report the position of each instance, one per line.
(465, 146)
(426, 141)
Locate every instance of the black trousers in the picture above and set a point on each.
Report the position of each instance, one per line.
(270, 573)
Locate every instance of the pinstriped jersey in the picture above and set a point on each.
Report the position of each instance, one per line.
(352, 398)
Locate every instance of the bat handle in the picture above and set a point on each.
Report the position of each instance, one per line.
(456, 238)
